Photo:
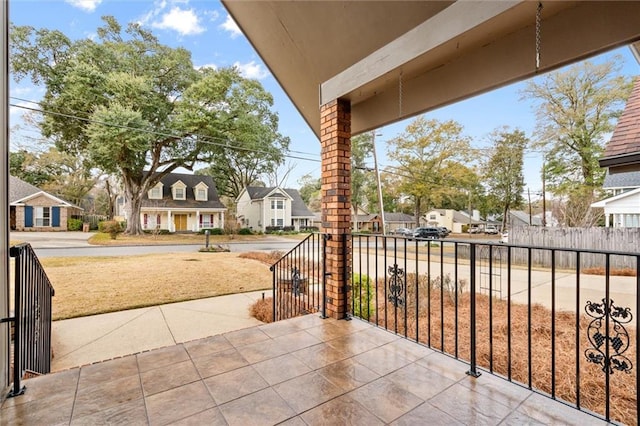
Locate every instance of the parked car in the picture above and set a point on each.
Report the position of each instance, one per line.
(406, 232)
(475, 230)
(504, 237)
(490, 229)
(429, 233)
(444, 231)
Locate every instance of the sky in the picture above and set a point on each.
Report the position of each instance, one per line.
(208, 32)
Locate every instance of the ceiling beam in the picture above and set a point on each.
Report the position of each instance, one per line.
(452, 22)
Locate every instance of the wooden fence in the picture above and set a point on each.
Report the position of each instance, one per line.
(605, 239)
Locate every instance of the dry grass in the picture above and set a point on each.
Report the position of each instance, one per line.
(624, 272)
(104, 239)
(93, 285)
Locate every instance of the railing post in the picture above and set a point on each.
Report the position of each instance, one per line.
(325, 237)
(273, 303)
(17, 314)
(472, 306)
(345, 275)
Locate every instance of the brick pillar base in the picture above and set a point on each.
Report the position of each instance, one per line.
(335, 137)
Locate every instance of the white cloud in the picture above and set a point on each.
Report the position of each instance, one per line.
(252, 70)
(86, 5)
(184, 21)
(230, 26)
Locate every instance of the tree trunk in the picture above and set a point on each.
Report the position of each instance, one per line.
(133, 203)
(417, 211)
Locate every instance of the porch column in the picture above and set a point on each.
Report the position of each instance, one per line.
(335, 138)
(169, 224)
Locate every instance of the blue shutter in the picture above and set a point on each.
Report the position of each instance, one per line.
(28, 216)
(55, 216)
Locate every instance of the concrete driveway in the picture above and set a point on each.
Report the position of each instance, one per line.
(52, 239)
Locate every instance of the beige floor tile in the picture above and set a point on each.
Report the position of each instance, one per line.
(385, 399)
(219, 362)
(264, 407)
(235, 384)
(178, 403)
(161, 358)
(162, 379)
(317, 390)
(207, 346)
(344, 410)
(129, 413)
(281, 369)
(91, 399)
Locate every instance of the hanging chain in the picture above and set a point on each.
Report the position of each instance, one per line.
(538, 22)
(400, 95)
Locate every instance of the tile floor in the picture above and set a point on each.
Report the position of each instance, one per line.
(303, 371)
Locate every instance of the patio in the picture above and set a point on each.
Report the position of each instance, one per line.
(304, 370)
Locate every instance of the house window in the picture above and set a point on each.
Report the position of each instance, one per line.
(206, 221)
(277, 204)
(277, 222)
(178, 194)
(155, 193)
(201, 194)
(43, 216)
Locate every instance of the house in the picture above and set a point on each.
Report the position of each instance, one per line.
(32, 209)
(622, 159)
(398, 220)
(518, 218)
(262, 207)
(182, 203)
(451, 219)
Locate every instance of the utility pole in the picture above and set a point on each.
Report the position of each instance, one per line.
(375, 166)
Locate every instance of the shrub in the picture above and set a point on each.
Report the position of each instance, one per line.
(157, 231)
(74, 224)
(363, 295)
(110, 227)
(245, 231)
(212, 231)
(262, 310)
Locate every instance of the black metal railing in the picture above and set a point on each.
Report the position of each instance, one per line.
(569, 333)
(299, 279)
(32, 317)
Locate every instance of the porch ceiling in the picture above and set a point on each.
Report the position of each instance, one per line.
(440, 51)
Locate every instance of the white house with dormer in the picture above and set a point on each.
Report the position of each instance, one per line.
(182, 203)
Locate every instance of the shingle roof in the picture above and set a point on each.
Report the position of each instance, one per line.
(621, 180)
(213, 201)
(19, 189)
(398, 217)
(524, 217)
(298, 207)
(626, 136)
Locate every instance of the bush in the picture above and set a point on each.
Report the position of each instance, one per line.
(363, 294)
(245, 231)
(157, 231)
(262, 310)
(309, 229)
(74, 224)
(212, 231)
(110, 227)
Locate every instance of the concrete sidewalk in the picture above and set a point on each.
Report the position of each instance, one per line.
(85, 340)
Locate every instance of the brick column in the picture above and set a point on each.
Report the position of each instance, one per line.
(335, 138)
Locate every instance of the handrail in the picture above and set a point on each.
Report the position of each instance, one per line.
(298, 279)
(32, 316)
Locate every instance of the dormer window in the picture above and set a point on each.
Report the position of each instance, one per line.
(200, 192)
(179, 191)
(155, 193)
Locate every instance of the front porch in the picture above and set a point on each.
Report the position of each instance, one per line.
(304, 370)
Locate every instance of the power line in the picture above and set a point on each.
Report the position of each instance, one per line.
(201, 139)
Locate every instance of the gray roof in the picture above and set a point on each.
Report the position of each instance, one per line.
(398, 217)
(213, 201)
(298, 207)
(524, 217)
(19, 189)
(621, 180)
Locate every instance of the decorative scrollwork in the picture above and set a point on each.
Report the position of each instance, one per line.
(396, 285)
(617, 340)
(295, 281)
